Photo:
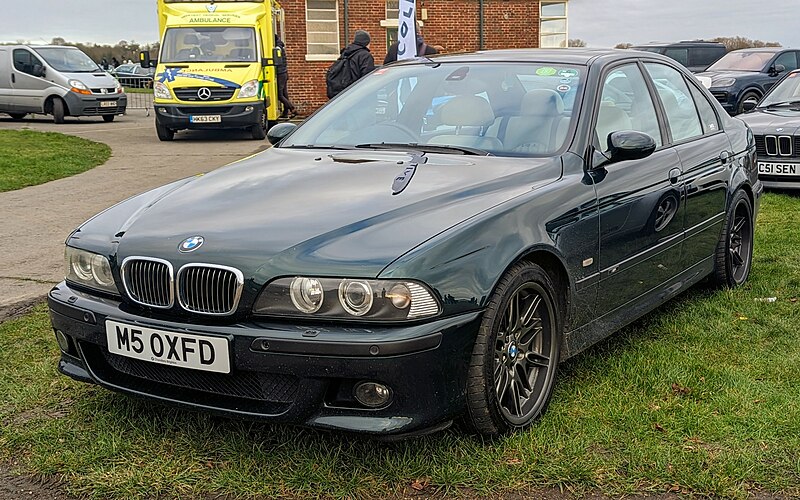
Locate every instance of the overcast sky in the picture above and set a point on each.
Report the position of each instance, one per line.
(602, 23)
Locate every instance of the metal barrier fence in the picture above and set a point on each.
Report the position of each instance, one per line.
(139, 89)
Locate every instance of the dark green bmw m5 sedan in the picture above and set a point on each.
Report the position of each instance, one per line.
(429, 245)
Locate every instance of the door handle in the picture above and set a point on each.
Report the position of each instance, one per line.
(724, 157)
(13, 78)
(674, 175)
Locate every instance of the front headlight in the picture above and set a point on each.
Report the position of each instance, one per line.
(161, 91)
(249, 90)
(117, 87)
(723, 82)
(334, 298)
(79, 87)
(89, 269)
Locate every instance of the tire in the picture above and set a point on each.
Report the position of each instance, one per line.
(259, 131)
(17, 116)
(108, 118)
(734, 254)
(58, 111)
(747, 95)
(164, 133)
(506, 365)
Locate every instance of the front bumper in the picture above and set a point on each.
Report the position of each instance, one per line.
(89, 105)
(239, 115)
(287, 373)
(727, 98)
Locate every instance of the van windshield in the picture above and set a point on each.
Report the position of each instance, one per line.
(209, 44)
(68, 59)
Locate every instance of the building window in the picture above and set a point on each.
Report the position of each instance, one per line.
(553, 28)
(391, 22)
(322, 30)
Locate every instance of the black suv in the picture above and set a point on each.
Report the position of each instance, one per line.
(748, 74)
(696, 55)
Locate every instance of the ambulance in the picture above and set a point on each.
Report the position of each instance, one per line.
(216, 67)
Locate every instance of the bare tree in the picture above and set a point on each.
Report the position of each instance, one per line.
(576, 42)
(58, 41)
(623, 45)
(740, 42)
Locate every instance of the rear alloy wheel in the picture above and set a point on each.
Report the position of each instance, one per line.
(734, 255)
(164, 133)
(108, 118)
(17, 116)
(59, 111)
(514, 361)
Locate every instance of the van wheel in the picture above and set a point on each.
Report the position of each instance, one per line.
(514, 361)
(58, 110)
(108, 118)
(17, 116)
(259, 131)
(734, 254)
(164, 133)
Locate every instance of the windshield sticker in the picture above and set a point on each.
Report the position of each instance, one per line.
(546, 71)
(564, 88)
(568, 73)
(566, 80)
(170, 74)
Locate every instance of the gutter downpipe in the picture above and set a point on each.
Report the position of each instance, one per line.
(480, 25)
(346, 22)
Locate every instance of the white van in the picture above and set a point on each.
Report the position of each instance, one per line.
(56, 80)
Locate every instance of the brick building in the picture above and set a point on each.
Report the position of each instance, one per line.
(316, 30)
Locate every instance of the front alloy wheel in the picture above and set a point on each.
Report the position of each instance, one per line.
(514, 362)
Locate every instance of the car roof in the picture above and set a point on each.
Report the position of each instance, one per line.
(762, 49)
(577, 56)
(682, 43)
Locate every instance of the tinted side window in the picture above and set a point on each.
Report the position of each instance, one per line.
(788, 59)
(706, 110)
(705, 56)
(625, 104)
(680, 55)
(24, 61)
(677, 100)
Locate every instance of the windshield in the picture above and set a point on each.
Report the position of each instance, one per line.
(787, 91)
(742, 61)
(207, 44)
(68, 60)
(500, 108)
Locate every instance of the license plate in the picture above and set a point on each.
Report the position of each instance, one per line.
(205, 118)
(197, 352)
(778, 168)
(108, 104)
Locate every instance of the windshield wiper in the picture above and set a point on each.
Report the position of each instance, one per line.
(426, 148)
(795, 102)
(318, 146)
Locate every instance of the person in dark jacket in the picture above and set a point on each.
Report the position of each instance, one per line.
(361, 60)
(423, 49)
(289, 111)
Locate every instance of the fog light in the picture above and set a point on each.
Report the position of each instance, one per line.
(372, 394)
(248, 109)
(63, 341)
(162, 110)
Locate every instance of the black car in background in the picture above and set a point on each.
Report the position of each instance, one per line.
(695, 55)
(776, 125)
(430, 244)
(133, 75)
(748, 74)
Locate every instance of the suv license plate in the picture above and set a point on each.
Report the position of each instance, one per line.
(205, 118)
(768, 168)
(198, 352)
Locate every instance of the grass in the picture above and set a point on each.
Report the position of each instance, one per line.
(29, 158)
(133, 90)
(700, 397)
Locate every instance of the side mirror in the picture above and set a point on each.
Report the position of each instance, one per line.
(144, 59)
(277, 133)
(629, 145)
(39, 70)
(777, 69)
(750, 104)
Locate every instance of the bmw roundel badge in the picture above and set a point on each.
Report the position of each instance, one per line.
(191, 244)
